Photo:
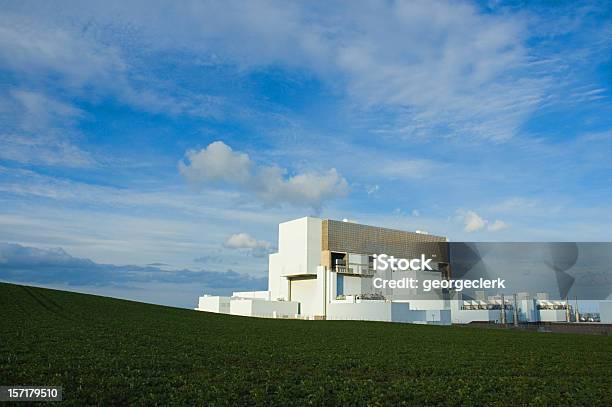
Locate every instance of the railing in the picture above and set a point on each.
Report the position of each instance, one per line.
(351, 270)
(343, 270)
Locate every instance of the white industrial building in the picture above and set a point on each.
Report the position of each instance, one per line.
(605, 312)
(521, 307)
(324, 270)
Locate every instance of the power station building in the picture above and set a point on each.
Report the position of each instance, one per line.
(324, 269)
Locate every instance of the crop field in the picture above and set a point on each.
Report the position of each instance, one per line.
(105, 351)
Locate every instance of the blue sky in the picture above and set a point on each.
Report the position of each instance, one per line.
(171, 138)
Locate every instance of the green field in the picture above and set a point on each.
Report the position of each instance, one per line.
(106, 351)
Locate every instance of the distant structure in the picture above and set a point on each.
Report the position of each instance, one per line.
(522, 309)
(324, 270)
(605, 312)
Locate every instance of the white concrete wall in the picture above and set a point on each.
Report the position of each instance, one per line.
(402, 312)
(360, 311)
(467, 316)
(385, 311)
(427, 304)
(325, 288)
(299, 252)
(553, 315)
(252, 307)
(277, 283)
(241, 307)
(305, 292)
(263, 295)
(278, 309)
(605, 312)
(459, 316)
(299, 244)
(444, 316)
(331, 286)
(352, 285)
(358, 259)
(214, 303)
(527, 310)
(314, 244)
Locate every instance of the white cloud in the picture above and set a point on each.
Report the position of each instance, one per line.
(30, 45)
(244, 241)
(399, 212)
(442, 65)
(219, 163)
(140, 225)
(39, 111)
(407, 169)
(42, 150)
(474, 222)
(37, 129)
(372, 189)
(88, 60)
(497, 225)
(248, 244)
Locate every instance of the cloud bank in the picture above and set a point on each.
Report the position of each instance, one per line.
(449, 66)
(55, 266)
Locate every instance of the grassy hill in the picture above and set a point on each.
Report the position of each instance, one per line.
(107, 351)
